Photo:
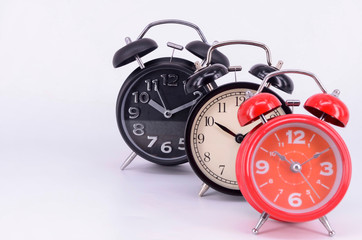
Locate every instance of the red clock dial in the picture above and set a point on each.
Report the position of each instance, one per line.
(295, 168)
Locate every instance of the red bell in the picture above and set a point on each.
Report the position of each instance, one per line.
(328, 107)
(261, 103)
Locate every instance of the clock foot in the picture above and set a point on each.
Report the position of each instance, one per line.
(203, 190)
(326, 224)
(263, 217)
(128, 160)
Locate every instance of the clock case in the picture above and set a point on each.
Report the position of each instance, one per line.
(133, 51)
(204, 78)
(326, 108)
(249, 146)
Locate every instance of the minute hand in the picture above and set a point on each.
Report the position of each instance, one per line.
(184, 106)
(315, 156)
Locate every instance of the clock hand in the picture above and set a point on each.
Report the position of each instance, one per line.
(316, 156)
(283, 158)
(156, 106)
(238, 137)
(187, 105)
(306, 180)
(184, 106)
(159, 95)
(225, 129)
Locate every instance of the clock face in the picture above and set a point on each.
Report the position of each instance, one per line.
(152, 110)
(296, 167)
(213, 135)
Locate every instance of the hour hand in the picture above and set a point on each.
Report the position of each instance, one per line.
(157, 106)
(225, 129)
(238, 137)
(283, 158)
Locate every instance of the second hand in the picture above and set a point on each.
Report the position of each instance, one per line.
(159, 95)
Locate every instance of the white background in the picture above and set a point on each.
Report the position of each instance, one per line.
(60, 149)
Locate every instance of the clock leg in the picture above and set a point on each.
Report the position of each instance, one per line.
(128, 160)
(326, 224)
(203, 190)
(263, 217)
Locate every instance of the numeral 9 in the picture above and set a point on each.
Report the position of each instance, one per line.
(262, 167)
(133, 112)
(201, 138)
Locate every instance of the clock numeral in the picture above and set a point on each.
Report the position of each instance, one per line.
(153, 140)
(294, 200)
(201, 138)
(142, 97)
(209, 121)
(170, 80)
(222, 169)
(299, 135)
(262, 166)
(327, 169)
(207, 157)
(166, 147)
(239, 100)
(222, 107)
(152, 85)
(181, 142)
(138, 129)
(133, 112)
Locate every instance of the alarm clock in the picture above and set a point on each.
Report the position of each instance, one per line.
(213, 135)
(152, 106)
(295, 167)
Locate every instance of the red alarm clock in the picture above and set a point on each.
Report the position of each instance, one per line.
(295, 167)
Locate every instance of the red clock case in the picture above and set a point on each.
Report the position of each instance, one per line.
(243, 168)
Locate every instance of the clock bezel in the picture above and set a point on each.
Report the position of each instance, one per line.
(154, 65)
(190, 122)
(245, 179)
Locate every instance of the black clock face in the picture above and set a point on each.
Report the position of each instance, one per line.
(152, 110)
(213, 135)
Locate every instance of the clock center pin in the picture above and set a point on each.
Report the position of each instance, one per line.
(167, 114)
(296, 167)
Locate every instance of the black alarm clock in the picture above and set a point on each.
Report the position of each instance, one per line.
(152, 106)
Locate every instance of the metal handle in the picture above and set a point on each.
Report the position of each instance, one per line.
(280, 72)
(243, 42)
(174, 21)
